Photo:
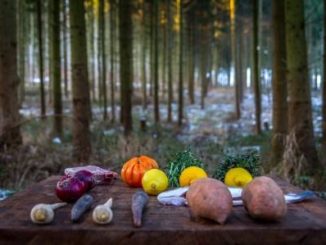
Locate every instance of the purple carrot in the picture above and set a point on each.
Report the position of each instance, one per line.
(138, 203)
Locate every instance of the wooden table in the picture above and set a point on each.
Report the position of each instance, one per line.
(305, 223)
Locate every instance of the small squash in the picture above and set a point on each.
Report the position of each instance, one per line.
(133, 170)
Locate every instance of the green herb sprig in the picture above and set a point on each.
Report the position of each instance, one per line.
(181, 161)
(249, 160)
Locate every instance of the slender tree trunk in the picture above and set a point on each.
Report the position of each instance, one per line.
(112, 53)
(9, 115)
(143, 52)
(21, 18)
(191, 81)
(299, 97)
(180, 87)
(80, 87)
(40, 56)
(65, 48)
(164, 83)
(169, 60)
(279, 84)
(156, 66)
(240, 62)
(103, 56)
(324, 86)
(203, 68)
(256, 67)
(55, 67)
(234, 57)
(91, 51)
(125, 36)
(151, 55)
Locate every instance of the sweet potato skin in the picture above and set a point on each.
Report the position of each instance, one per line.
(209, 198)
(264, 199)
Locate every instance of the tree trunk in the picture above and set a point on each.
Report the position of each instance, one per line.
(55, 67)
(65, 48)
(256, 67)
(234, 57)
(143, 52)
(125, 31)
(112, 56)
(80, 87)
(203, 68)
(191, 80)
(164, 34)
(21, 18)
(279, 85)
(40, 56)
(324, 86)
(9, 115)
(180, 87)
(103, 56)
(156, 66)
(169, 60)
(299, 97)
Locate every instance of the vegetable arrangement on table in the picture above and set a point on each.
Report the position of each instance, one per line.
(235, 182)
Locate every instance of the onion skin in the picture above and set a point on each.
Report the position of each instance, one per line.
(69, 189)
(86, 177)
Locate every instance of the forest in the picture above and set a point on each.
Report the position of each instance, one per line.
(99, 81)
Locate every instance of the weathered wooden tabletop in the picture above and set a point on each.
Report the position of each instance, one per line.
(305, 223)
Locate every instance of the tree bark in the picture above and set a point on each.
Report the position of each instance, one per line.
(40, 56)
(80, 86)
(180, 87)
(112, 57)
(191, 81)
(234, 57)
(299, 97)
(279, 85)
(65, 48)
(9, 115)
(169, 60)
(125, 31)
(21, 18)
(324, 86)
(55, 67)
(156, 65)
(103, 56)
(256, 67)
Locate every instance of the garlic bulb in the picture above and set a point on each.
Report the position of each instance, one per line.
(44, 213)
(103, 214)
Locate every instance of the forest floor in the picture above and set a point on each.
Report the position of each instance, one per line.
(209, 133)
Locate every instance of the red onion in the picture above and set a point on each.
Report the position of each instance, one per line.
(69, 189)
(86, 177)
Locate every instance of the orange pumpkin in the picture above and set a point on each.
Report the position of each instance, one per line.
(133, 170)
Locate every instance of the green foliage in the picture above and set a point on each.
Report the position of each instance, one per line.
(249, 160)
(181, 161)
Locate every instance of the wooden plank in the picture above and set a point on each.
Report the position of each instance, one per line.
(305, 222)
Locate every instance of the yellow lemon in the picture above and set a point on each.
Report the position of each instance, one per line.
(154, 181)
(237, 177)
(190, 174)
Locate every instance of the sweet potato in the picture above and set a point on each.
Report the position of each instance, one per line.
(264, 199)
(209, 198)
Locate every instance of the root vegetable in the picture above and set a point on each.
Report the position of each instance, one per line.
(103, 214)
(209, 198)
(264, 199)
(81, 206)
(44, 213)
(138, 203)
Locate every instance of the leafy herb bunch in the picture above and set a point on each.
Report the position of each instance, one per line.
(181, 161)
(249, 160)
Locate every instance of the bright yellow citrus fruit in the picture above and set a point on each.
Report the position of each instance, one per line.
(237, 177)
(154, 181)
(190, 174)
